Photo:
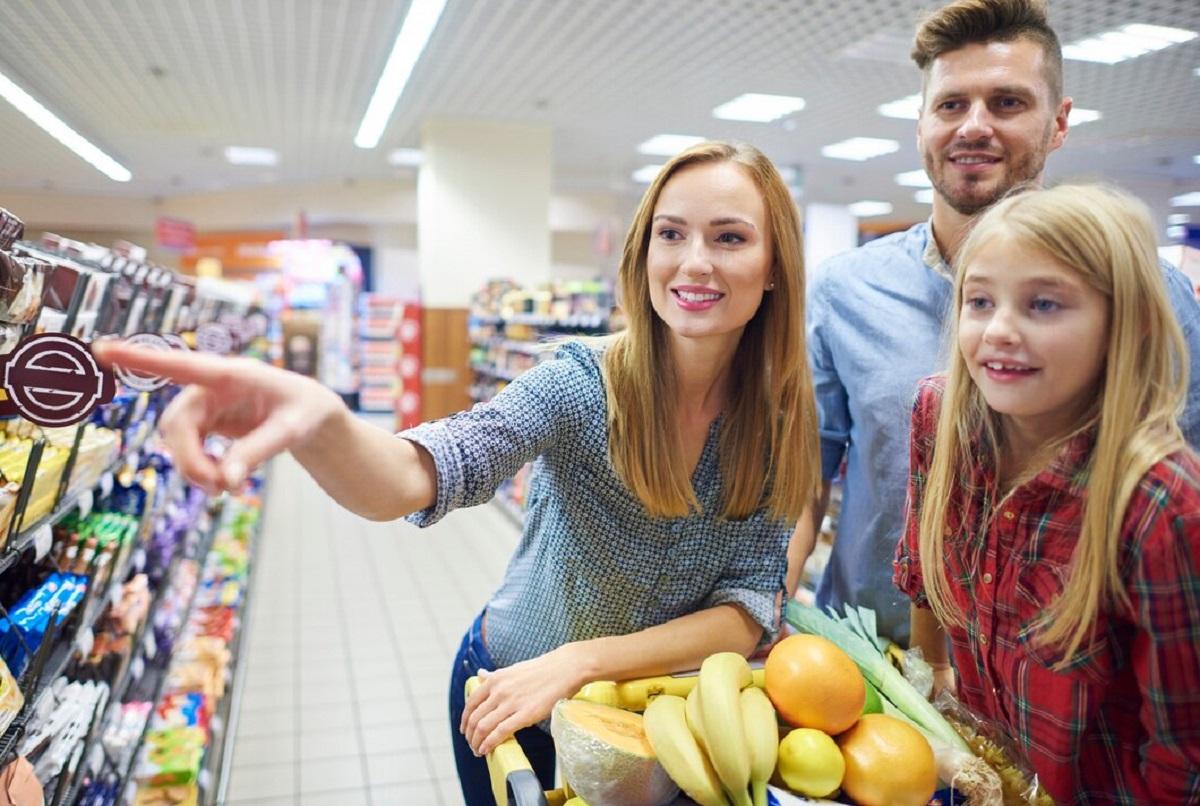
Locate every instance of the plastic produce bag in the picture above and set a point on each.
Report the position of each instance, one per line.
(1019, 782)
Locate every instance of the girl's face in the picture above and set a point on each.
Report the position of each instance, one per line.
(1034, 336)
(710, 254)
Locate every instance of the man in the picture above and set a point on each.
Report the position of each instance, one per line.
(992, 110)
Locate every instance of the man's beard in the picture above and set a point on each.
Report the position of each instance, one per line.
(970, 197)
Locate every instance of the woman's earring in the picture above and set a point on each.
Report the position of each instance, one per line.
(770, 286)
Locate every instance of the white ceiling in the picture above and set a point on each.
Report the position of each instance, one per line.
(165, 85)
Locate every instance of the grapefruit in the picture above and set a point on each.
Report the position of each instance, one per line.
(814, 684)
(888, 763)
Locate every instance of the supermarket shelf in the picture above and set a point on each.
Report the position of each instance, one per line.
(579, 321)
(494, 371)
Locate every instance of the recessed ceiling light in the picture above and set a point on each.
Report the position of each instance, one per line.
(924, 196)
(914, 179)
(418, 25)
(1126, 42)
(1186, 200)
(251, 155)
(668, 145)
(1175, 219)
(866, 209)
(906, 108)
(1081, 116)
(52, 125)
(860, 149)
(646, 173)
(758, 107)
(408, 157)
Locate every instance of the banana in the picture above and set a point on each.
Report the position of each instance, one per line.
(601, 692)
(695, 722)
(667, 729)
(722, 677)
(762, 739)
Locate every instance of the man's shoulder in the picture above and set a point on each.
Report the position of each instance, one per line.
(889, 254)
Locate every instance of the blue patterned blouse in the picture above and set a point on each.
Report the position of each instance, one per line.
(591, 561)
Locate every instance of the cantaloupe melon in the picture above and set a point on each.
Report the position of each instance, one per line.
(605, 756)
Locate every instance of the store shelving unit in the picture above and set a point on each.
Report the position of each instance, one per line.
(510, 328)
(379, 353)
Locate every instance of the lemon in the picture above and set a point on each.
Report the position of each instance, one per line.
(873, 705)
(810, 763)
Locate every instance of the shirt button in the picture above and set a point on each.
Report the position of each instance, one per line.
(987, 579)
(1009, 515)
(983, 639)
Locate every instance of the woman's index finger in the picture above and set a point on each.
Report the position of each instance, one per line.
(175, 365)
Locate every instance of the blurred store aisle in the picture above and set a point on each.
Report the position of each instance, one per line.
(353, 626)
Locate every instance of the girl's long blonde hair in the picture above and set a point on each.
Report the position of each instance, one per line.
(768, 445)
(1106, 236)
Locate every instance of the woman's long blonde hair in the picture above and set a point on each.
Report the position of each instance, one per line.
(768, 444)
(1106, 236)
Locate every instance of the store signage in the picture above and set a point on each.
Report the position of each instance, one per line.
(175, 233)
(52, 379)
(141, 381)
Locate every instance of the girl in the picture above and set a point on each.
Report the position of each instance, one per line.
(1053, 528)
(670, 460)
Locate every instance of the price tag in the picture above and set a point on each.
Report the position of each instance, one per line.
(43, 539)
(137, 668)
(138, 561)
(134, 460)
(86, 501)
(84, 641)
(106, 485)
(114, 595)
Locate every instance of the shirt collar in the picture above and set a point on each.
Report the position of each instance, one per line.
(933, 256)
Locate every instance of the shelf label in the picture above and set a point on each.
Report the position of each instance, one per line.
(106, 485)
(149, 644)
(136, 668)
(86, 501)
(43, 539)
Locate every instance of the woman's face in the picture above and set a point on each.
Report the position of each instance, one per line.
(711, 252)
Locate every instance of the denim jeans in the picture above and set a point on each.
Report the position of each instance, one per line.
(472, 771)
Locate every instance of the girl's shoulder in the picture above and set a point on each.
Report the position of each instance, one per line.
(1165, 508)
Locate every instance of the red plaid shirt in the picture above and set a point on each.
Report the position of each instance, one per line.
(1122, 723)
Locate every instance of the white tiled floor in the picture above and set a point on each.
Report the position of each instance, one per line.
(353, 627)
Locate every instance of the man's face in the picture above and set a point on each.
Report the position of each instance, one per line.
(988, 122)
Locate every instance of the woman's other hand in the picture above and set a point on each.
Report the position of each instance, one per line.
(518, 696)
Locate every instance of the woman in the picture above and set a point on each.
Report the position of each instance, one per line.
(671, 459)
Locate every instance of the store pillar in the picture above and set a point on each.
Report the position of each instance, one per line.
(483, 211)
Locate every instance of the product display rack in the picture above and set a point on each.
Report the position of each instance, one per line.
(379, 353)
(511, 330)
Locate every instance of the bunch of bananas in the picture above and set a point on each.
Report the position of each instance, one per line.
(720, 743)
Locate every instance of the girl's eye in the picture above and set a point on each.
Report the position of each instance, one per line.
(730, 238)
(1042, 305)
(977, 303)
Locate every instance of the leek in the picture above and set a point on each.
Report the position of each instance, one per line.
(876, 668)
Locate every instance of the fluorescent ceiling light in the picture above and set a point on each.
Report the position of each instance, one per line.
(924, 196)
(866, 209)
(418, 25)
(251, 155)
(406, 157)
(757, 107)
(50, 123)
(646, 173)
(1187, 199)
(1081, 116)
(1177, 233)
(1127, 42)
(1176, 219)
(906, 108)
(860, 149)
(914, 179)
(1196, 159)
(668, 145)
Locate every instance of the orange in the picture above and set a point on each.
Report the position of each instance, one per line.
(888, 763)
(813, 684)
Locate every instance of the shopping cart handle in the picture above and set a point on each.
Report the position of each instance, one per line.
(514, 782)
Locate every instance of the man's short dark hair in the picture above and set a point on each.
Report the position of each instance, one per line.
(966, 22)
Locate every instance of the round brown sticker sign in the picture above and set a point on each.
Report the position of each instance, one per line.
(53, 380)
